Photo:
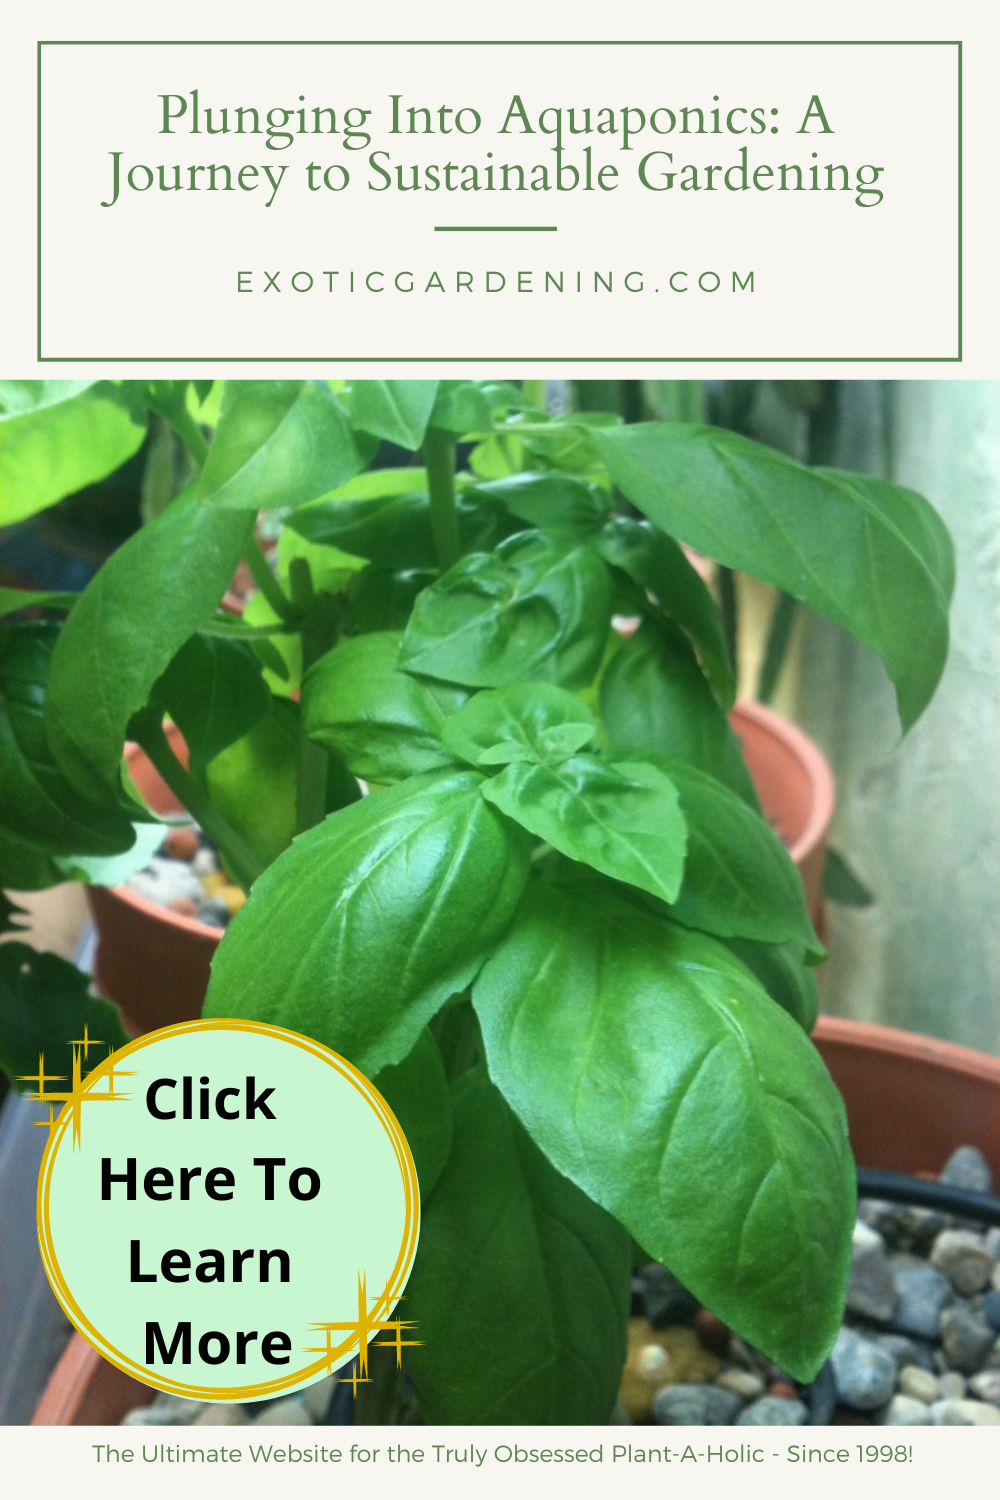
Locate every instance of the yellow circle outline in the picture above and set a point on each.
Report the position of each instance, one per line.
(394, 1285)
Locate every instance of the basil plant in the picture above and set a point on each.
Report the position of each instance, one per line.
(556, 930)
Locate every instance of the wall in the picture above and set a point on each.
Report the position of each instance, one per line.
(920, 821)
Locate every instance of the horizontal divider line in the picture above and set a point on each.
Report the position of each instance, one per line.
(495, 228)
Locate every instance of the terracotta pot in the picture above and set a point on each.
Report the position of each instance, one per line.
(796, 789)
(910, 1101)
(151, 962)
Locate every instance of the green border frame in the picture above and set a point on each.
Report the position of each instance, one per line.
(502, 359)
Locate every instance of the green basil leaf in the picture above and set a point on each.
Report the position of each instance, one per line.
(739, 880)
(508, 1244)
(395, 531)
(150, 596)
(781, 970)
(37, 802)
(423, 877)
(416, 1090)
(381, 600)
(385, 723)
(12, 600)
(11, 914)
(864, 554)
(278, 442)
(657, 1075)
(396, 410)
(254, 782)
(553, 500)
(56, 437)
(531, 721)
(841, 883)
(655, 698)
(461, 407)
(538, 607)
(44, 1006)
(566, 443)
(26, 867)
(656, 562)
(620, 818)
(214, 693)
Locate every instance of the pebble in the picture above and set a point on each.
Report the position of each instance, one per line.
(962, 1257)
(205, 862)
(919, 1384)
(986, 1386)
(990, 1309)
(664, 1299)
(166, 880)
(661, 1357)
(223, 1415)
(993, 1241)
(865, 1374)
(923, 1295)
(743, 1383)
(287, 1413)
(965, 1338)
(952, 1385)
(773, 1411)
(964, 1414)
(695, 1406)
(872, 1291)
(968, 1168)
(181, 843)
(316, 1398)
(905, 1411)
(907, 1351)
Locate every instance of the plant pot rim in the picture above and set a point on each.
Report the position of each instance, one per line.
(909, 1046)
(813, 761)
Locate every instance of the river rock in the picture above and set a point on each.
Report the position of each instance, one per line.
(658, 1357)
(967, 1168)
(773, 1411)
(924, 1293)
(316, 1398)
(962, 1257)
(990, 1309)
(986, 1386)
(906, 1350)
(222, 1415)
(665, 1300)
(965, 1338)
(964, 1414)
(287, 1413)
(166, 880)
(746, 1384)
(695, 1406)
(919, 1384)
(865, 1374)
(872, 1291)
(904, 1411)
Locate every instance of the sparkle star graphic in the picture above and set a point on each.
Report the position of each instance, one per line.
(79, 1093)
(360, 1332)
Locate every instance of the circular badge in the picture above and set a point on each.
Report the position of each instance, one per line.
(228, 1210)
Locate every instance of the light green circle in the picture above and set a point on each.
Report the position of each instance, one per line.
(359, 1227)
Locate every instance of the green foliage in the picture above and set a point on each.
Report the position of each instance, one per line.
(558, 931)
(44, 1005)
(657, 1075)
(56, 437)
